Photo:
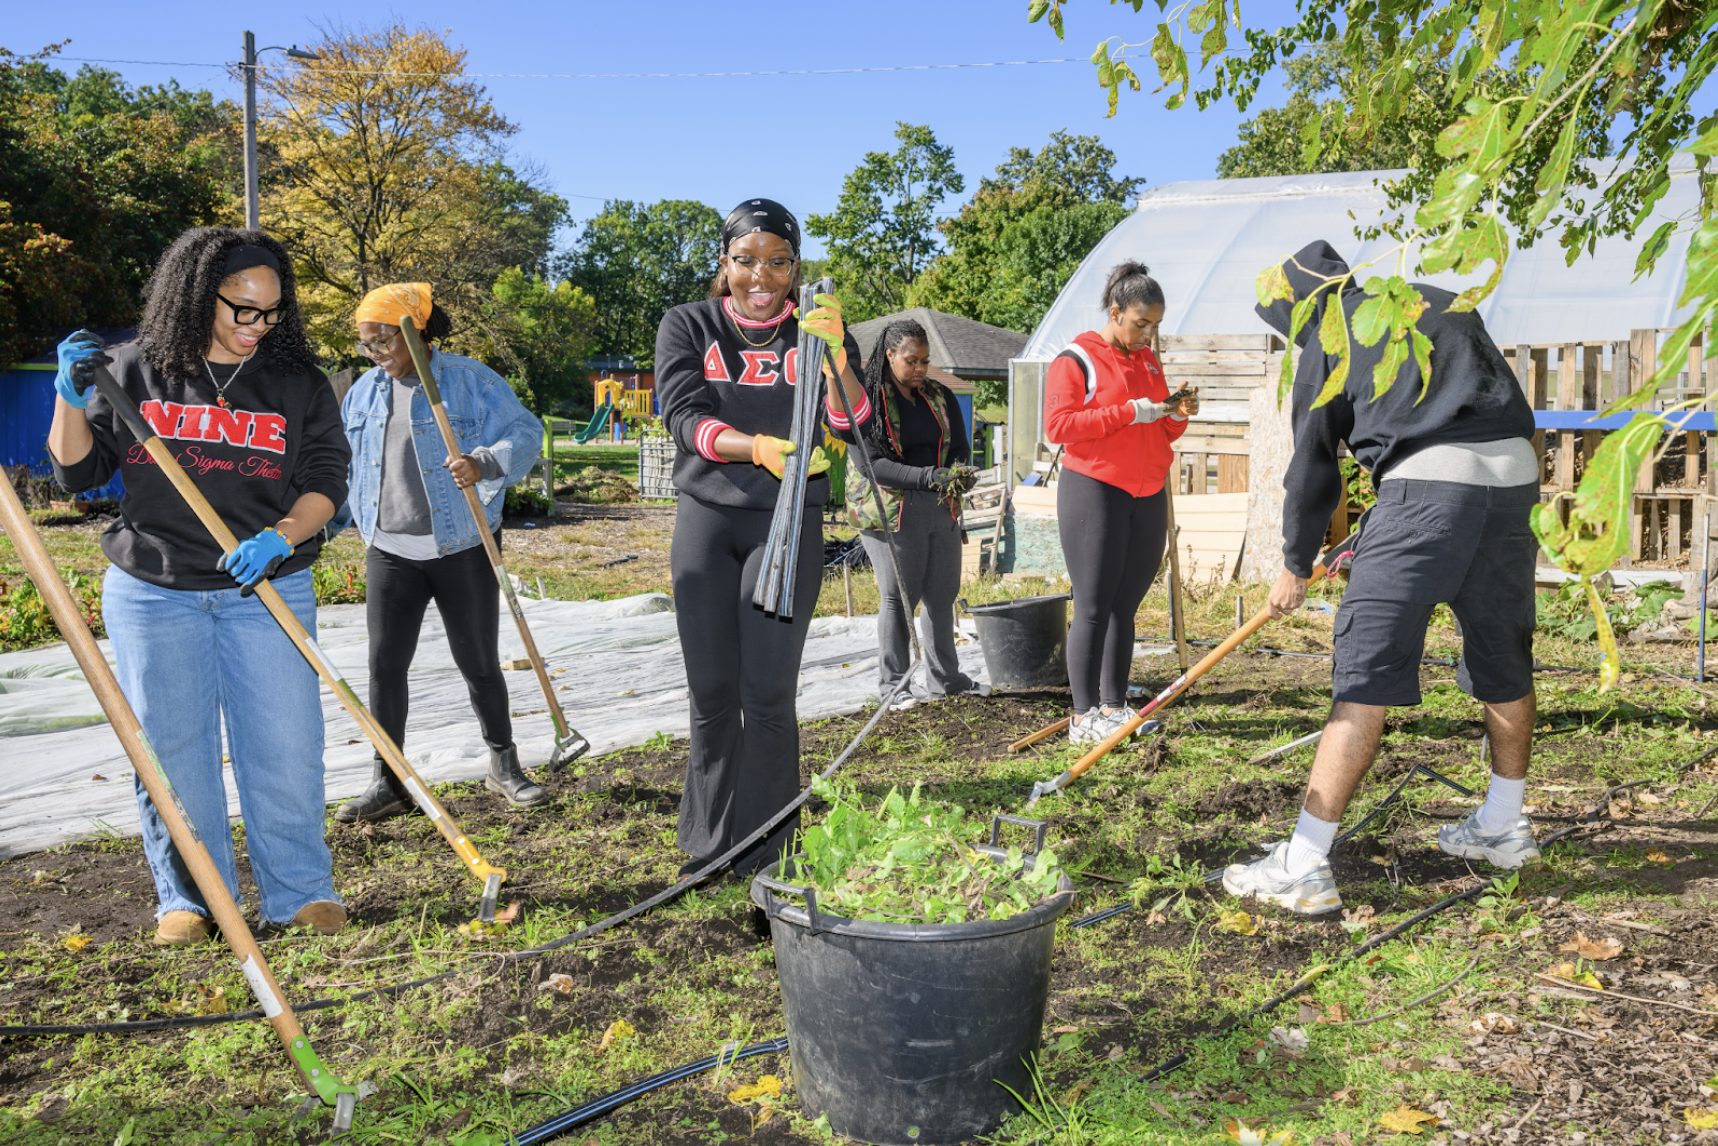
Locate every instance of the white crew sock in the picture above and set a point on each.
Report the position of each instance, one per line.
(1502, 805)
(1310, 845)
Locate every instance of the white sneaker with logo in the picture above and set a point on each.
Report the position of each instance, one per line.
(1268, 879)
(1509, 848)
(1089, 727)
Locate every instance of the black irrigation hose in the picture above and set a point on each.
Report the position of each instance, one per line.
(597, 1107)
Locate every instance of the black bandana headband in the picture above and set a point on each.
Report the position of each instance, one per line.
(764, 215)
(248, 255)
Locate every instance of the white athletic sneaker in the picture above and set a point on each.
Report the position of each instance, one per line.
(1311, 894)
(1509, 848)
(1120, 717)
(1093, 727)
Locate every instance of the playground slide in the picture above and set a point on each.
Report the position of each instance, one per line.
(598, 422)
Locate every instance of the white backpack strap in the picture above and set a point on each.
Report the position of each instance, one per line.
(1088, 368)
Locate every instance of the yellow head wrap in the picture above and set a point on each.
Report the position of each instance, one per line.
(388, 304)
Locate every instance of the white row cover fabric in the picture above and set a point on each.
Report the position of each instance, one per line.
(1206, 242)
(64, 776)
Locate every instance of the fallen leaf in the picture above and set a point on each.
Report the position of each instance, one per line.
(76, 943)
(1306, 1014)
(557, 982)
(1648, 798)
(1116, 1052)
(1492, 1022)
(769, 1085)
(1584, 978)
(1076, 1092)
(1064, 1030)
(1293, 1041)
(1701, 1119)
(1406, 1120)
(1237, 921)
(98, 776)
(1245, 1135)
(621, 1029)
(213, 1000)
(1335, 1013)
(1658, 857)
(1344, 1096)
(1590, 949)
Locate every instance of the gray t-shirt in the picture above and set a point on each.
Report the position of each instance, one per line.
(404, 504)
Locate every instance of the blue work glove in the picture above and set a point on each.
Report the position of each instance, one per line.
(255, 560)
(79, 355)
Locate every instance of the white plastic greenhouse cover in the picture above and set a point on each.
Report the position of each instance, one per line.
(1206, 241)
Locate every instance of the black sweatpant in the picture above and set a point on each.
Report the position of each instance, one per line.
(463, 587)
(1112, 543)
(742, 671)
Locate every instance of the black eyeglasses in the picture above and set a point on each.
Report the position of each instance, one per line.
(778, 267)
(246, 315)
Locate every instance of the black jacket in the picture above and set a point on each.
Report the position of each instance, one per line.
(279, 438)
(708, 378)
(1473, 397)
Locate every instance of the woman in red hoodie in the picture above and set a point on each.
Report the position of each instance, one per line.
(1107, 402)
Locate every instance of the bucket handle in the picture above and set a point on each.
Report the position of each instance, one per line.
(1038, 827)
(807, 893)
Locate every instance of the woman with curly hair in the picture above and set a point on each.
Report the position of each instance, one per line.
(223, 372)
(919, 450)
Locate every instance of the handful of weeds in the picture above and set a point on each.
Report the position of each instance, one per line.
(910, 860)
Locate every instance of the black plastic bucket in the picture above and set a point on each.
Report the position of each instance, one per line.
(1025, 642)
(905, 1033)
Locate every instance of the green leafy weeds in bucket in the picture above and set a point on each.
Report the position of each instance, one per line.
(912, 860)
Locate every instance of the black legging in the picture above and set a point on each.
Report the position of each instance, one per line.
(742, 671)
(465, 592)
(1112, 543)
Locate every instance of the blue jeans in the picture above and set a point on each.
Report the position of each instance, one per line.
(186, 659)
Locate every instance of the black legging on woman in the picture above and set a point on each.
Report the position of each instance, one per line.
(1113, 543)
(465, 591)
(739, 659)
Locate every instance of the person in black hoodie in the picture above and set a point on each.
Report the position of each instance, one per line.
(223, 372)
(726, 369)
(1456, 477)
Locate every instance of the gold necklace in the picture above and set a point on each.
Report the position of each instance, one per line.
(787, 311)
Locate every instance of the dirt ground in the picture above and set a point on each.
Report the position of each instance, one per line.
(1504, 1056)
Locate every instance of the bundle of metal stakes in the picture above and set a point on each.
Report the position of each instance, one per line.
(774, 591)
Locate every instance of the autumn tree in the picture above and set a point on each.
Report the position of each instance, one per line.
(1017, 241)
(636, 262)
(882, 233)
(96, 179)
(392, 167)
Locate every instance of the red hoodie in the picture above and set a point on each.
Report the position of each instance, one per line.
(1095, 421)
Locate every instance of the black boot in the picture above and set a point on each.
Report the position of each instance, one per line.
(384, 798)
(506, 778)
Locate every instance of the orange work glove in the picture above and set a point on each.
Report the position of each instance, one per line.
(825, 323)
(771, 453)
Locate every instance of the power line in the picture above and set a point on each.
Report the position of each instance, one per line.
(599, 75)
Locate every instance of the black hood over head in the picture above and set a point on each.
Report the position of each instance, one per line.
(1306, 270)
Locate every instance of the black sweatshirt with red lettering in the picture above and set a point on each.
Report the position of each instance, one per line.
(278, 438)
(710, 377)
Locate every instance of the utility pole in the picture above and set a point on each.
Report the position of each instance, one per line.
(252, 208)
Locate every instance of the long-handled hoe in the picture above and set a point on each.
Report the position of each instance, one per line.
(65, 612)
(569, 745)
(490, 876)
(1177, 686)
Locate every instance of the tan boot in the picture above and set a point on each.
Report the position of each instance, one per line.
(326, 916)
(183, 928)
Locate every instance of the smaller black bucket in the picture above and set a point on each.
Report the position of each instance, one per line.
(1025, 642)
(906, 1033)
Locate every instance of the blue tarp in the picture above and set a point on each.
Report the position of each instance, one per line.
(1585, 420)
(27, 410)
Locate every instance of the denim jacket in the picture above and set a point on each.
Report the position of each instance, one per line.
(484, 412)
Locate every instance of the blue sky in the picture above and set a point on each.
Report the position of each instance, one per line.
(792, 138)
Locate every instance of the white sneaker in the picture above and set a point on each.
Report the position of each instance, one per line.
(1509, 848)
(1089, 727)
(1268, 879)
(1120, 717)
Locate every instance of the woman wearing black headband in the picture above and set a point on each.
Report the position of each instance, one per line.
(223, 372)
(726, 369)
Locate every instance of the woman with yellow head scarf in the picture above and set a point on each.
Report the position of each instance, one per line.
(409, 505)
